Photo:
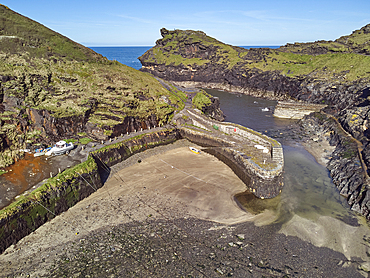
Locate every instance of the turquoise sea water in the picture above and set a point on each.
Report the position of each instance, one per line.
(128, 55)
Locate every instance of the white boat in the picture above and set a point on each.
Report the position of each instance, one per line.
(194, 150)
(60, 147)
(40, 152)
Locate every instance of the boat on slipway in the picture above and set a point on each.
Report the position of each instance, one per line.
(59, 148)
(40, 152)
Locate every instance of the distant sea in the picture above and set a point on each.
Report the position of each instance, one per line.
(128, 55)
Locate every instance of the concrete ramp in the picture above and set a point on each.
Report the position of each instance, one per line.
(295, 110)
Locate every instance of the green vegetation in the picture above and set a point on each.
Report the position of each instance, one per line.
(175, 44)
(117, 90)
(44, 71)
(71, 140)
(347, 66)
(341, 60)
(85, 140)
(20, 34)
(348, 154)
(201, 100)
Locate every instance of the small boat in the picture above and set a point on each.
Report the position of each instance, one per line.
(40, 152)
(265, 109)
(59, 148)
(194, 150)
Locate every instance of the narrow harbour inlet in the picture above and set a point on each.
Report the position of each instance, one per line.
(310, 206)
(190, 202)
(166, 178)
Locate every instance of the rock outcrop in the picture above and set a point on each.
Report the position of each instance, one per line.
(347, 164)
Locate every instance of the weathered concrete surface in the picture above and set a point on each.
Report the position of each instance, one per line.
(257, 159)
(66, 189)
(295, 110)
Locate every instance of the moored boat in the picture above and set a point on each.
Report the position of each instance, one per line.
(60, 147)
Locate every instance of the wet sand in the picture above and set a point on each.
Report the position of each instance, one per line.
(180, 205)
(320, 149)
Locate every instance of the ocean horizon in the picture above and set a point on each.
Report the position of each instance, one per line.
(128, 55)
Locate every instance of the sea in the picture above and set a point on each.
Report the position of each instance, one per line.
(128, 55)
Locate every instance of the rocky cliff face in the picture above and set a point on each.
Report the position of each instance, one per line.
(346, 162)
(52, 88)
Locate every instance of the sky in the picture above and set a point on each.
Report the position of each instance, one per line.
(236, 22)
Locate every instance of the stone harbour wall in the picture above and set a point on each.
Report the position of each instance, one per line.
(63, 191)
(261, 182)
(57, 195)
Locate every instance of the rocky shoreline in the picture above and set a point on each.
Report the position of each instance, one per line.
(338, 151)
(345, 164)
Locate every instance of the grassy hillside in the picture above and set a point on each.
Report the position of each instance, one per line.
(49, 71)
(41, 70)
(20, 34)
(343, 59)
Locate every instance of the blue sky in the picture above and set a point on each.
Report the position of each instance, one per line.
(236, 22)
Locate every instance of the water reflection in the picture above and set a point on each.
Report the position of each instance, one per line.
(308, 192)
(249, 111)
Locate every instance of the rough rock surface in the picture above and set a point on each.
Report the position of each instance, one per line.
(346, 165)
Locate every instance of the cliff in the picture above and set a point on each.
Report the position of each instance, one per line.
(52, 88)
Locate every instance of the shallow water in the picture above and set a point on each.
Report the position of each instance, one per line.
(20, 175)
(28, 172)
(308, 190)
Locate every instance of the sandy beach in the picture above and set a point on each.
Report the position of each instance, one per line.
(166, 212)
